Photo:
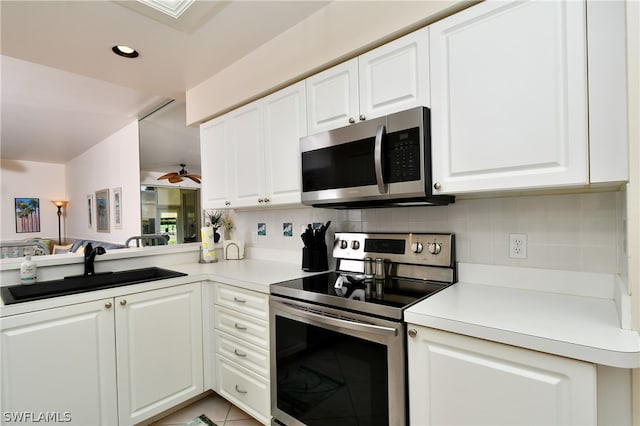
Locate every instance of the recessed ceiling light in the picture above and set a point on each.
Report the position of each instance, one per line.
(125, 51)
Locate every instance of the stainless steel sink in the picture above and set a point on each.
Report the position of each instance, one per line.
(80, 284)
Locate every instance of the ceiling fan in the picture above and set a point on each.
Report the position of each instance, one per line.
(175, 177)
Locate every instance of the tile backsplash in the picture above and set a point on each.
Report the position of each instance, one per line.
(578, 232)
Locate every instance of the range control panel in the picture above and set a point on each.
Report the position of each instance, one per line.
(414, 248)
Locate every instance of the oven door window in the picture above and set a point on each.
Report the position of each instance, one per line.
(329, 378)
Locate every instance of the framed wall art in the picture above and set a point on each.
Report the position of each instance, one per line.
(117, 208)
(102, 210)
(27, 215)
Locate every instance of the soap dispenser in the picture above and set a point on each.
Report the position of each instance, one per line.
(28, 270)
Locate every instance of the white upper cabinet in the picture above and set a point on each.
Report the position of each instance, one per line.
(285, 122)
(395, 77)
(215, 151)
(391, 78)
(247, 160)
(332, 97)
(251, 155)
(509, 97)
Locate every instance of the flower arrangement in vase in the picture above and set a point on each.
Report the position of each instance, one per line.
(219, 219)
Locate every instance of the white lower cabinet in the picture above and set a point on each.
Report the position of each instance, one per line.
(458, 380)
(159, 350)
(60, 361)
(241, 342)
(116, 361)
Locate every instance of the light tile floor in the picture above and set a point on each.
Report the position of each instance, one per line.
(216, 408)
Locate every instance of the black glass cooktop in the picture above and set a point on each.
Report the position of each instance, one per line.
(355, 294)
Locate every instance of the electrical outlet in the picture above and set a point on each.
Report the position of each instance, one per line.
(518, 246)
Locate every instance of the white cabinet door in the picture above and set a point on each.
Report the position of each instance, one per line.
(63, 361)
(247, 166)
(460, 380)
(332, 97)
(285, 122)
(215, 151)
(395, 76)
(508, 96)
(159, 350)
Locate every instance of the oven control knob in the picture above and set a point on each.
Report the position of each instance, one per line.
(344, 244)
(417, 247)
(435, 248)
(355, 245)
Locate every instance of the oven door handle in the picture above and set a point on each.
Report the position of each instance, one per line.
(327, 318)
(377, 158)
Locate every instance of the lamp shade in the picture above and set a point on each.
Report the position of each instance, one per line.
(60, 203)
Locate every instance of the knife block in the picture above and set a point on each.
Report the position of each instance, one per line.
(314, 260)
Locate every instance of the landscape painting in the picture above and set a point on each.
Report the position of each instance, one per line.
(27, 215)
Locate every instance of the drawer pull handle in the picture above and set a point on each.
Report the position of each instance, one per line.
(240, 354)
(235, 299)
(240, 390)
(239, 327)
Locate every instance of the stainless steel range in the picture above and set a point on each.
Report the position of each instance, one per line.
(338, 339)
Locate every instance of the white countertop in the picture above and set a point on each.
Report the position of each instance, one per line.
(251, 274)
(583, 327)
(565, 313)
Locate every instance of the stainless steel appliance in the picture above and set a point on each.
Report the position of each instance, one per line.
(384, 161)
(338, 339)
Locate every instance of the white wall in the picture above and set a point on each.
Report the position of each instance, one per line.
(575, 232)
(334, 33)
(29, 179)
(113, 163)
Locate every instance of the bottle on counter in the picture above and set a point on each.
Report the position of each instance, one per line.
(28, 270)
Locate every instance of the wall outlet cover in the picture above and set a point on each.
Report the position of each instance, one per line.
(518, 246)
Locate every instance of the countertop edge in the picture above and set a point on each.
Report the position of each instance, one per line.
(448, 311)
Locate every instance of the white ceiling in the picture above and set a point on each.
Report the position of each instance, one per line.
(63, 90)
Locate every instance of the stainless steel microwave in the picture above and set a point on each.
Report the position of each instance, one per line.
(381, 162)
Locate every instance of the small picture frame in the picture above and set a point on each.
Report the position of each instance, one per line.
(102, 210)
(90, 210)
(27, 211)
(117, 208)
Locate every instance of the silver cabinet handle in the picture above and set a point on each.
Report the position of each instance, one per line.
(235, 299)
(352, 120)
(240, 390)
(437, 185)
(239, 327)
(412, 332)
(108, 305)
(227, 203)
(266, 200)
(260, 200)
(240, 354)
(123, 302)
(362, 117)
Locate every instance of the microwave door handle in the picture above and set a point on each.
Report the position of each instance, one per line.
(377, 158)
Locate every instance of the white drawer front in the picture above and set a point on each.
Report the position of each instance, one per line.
(249, 356)
(245, 301)
(242, 326)
(245, 389)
